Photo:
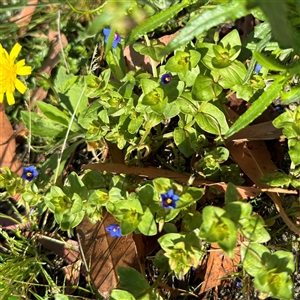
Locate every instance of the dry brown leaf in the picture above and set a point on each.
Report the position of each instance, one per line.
(255, 160)
(24, 17)
(72, 275)
(261, 131)
(219, 266)
(8, 144)
(104, 254)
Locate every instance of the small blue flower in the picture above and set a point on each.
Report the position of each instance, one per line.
(166, 78)
(117, 38)
(169, 199)
(238, 283)
(114, 230)
(29, 173)
(257, 68)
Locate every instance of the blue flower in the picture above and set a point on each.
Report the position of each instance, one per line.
(169, 199)
(117, 38)
(257, 68)
(29, 173)
(114, 230)
(166, 78)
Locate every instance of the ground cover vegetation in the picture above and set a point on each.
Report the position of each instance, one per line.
(149, 149)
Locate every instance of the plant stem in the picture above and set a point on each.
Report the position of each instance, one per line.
(153, 64)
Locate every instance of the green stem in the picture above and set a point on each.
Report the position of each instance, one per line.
(68, 132)
(144, 136)
(153, 63)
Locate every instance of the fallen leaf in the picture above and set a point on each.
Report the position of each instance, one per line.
(8, 144)
(219, 266)
(104, 254)
(23, 18)
(261, 131)
(255, 160)
(72, 275)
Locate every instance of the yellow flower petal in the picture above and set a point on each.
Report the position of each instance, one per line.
(23, 71)
(20, 86)
(10, 98)
(9, 71)
(10, 87)
(14, 52)
(20, 63)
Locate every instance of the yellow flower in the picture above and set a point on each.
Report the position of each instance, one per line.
(9, 71)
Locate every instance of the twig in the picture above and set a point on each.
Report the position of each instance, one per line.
(60, 42)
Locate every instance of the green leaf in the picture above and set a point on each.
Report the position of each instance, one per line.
(64, 81)
(103, 116)
(278, 285)
(253, 229)
(232, 194)
(276, 179)
(277, 15)
(75, 185)
(292, 96)
(53, 113)
(190, 196)
(147, 225)
(294, 150)
(41, 126)
(211, 119)
(232, 78)
(130, 222)
(70, 99)
(268, 62)
(205, 88)
(183, 139)
(191, 221)
(121, 295)
(178, 63)
(238, 210)
(114, 62)
(171, 110)
(205, 21)
(232, 42)
(152, 51)
(132, 281)
(251, 257)
(284, 261)
(167, 241)
(155, 21)
(153, 98)
(135, 124)
(52, 161)
(227, 235)
(258, 107)
(211, 215)
(148, 85)
(160, 107)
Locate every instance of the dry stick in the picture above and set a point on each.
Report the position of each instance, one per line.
(87, 268)
(151, 172)
(284, 216)
(60, 42)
